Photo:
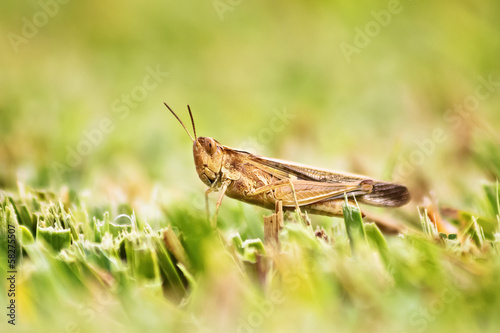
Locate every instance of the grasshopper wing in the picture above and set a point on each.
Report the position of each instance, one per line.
(310, 192)
(383, 194)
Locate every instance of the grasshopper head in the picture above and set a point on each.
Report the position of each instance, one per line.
(208, 155)
(207, 152)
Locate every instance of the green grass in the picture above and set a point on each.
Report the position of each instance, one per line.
(84, 270)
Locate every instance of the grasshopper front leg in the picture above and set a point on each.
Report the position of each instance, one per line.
(207, 207)
(223, 189)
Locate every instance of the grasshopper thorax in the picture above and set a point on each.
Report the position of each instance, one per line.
(208, 155)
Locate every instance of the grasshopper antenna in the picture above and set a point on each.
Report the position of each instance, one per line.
(192, 122)
(181, 121)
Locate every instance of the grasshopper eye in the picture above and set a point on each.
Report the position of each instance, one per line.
(210, 146)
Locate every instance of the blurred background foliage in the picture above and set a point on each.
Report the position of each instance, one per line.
(239, 66)
(361, 116)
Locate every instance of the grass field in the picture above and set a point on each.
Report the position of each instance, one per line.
(82, 270)
(99, 190)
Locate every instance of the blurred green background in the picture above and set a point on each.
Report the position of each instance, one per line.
(407, 91)
(236, 63)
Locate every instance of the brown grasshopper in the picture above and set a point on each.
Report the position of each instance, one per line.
(264, 181)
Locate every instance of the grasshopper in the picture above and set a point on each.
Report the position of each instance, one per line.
(265, 181)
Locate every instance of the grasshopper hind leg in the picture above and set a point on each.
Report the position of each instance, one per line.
(333, 208)
(303, 216)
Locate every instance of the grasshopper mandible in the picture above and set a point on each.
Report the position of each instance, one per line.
(264, 181)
